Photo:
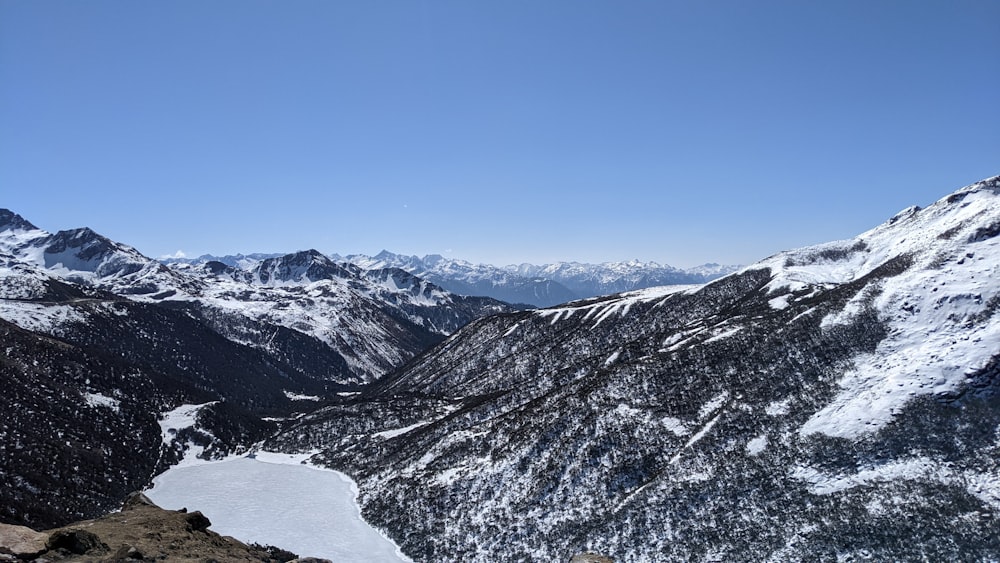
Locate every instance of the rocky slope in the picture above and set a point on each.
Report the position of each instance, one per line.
(838, 402)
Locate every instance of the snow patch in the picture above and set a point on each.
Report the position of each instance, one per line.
(387, 434)
(98, 400)
(778, 408)
(612, 358)
(712, 405)
(779, 303)
(757, 445)
(675, 425)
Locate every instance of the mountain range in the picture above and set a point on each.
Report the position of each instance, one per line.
(835, 402)
(101, 341)
(527, 284)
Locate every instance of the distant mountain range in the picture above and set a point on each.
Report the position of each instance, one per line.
(539, 286)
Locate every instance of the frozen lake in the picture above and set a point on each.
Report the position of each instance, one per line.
(277, 501)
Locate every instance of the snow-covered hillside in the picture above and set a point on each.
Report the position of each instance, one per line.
(838, 402)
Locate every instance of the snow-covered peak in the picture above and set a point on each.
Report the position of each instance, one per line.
(10, 221)
(298, 268)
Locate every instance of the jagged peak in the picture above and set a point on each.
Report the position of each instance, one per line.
(10, 221)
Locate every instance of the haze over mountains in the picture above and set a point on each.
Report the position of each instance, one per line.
(840, 401)
(540, 286)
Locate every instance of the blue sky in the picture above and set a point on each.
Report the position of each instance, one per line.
(680, 132)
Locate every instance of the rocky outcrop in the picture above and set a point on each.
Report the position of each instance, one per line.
(141, 531)
(21, 541)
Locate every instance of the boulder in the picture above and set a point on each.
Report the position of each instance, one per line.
(21, 541)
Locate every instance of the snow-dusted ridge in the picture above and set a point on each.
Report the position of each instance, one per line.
(952, 257)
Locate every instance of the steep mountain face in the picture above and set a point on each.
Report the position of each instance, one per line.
(836, 402)
(102, 346)
(543, 286)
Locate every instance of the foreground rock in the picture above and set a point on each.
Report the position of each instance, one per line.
(142, 531)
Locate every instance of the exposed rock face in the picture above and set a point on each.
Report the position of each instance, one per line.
(21, 541)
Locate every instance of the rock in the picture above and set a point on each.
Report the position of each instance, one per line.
(590, 558)
(197, 522)
(21, 541)
(126, 553)
(137, 499)
(79, 542)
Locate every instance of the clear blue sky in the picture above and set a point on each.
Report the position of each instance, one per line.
(681, 132)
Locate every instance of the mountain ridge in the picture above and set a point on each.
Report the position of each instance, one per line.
(838, 401)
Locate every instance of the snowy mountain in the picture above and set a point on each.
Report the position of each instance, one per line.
(837, 402)
(100, 341)
(545, 285)
(365, 323)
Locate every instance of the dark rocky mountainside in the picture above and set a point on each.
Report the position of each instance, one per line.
(838, 402)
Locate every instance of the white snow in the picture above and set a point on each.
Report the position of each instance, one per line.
(36, 317)
(621, 305)
(612, 358)
(984, 486)
(276, 500)
(713, 405)
(757, 445)
(675, 425)
(694, 439)
(721, 334)
(399, 431)
(779, 302)
(103, 401)
(778, 408)
(184, 416)
(300, 397)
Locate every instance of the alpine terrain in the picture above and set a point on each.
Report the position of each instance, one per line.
(114, 364)
(837, 402)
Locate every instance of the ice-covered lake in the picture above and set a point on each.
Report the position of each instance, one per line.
(275, 500)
